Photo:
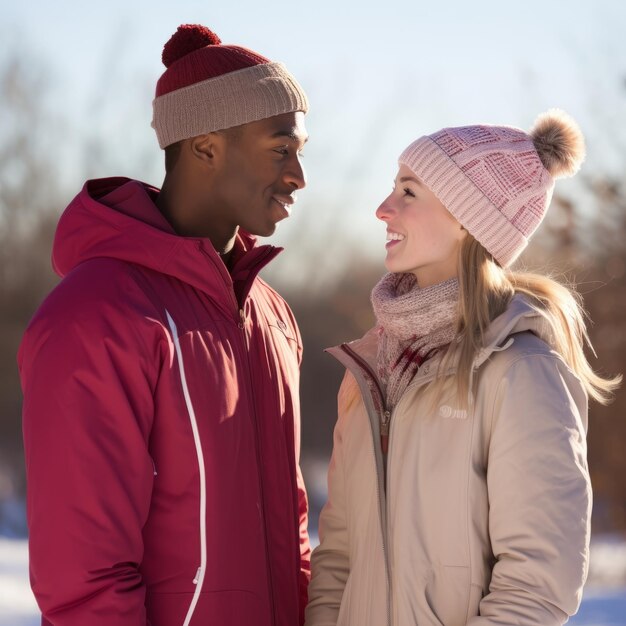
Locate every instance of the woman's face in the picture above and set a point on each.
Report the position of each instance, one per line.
(422, 236)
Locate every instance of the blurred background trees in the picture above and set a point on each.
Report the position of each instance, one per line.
(29, 197)
(584, 238)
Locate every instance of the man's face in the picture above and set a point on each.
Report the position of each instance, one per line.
(260, 172)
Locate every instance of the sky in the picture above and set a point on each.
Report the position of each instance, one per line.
(378, 76)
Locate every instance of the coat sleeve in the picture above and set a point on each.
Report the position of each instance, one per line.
(330, 562)
(87, 414)
(539, 496)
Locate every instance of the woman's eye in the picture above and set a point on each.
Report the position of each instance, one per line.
(408, 192)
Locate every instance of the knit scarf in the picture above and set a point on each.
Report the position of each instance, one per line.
(413, 324)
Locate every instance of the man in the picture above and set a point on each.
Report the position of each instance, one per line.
(160, 377)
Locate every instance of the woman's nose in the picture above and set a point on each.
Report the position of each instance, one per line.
(385, 210)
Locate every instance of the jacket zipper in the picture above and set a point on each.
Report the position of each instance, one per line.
(385, 414)
(229, 287)
(384, 422)
(242, 326)
(384, 418)
(240, 320)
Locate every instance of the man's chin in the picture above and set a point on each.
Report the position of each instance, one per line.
(266, 231)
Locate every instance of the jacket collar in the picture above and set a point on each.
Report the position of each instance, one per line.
(117, 218)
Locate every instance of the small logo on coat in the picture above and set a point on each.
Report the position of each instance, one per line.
(447, 412)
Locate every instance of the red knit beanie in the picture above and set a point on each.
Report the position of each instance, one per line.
(208, 86)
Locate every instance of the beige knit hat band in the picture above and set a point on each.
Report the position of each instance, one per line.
(246, 95)
(469, 206)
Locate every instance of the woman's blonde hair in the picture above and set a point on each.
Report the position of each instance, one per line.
(485, 290)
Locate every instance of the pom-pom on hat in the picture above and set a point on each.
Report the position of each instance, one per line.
(209, 86)
(497, 181)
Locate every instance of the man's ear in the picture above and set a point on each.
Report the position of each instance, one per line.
(209, 149)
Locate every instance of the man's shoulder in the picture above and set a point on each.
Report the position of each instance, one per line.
(267, 289)
(99, 267)
(270, 294)
(98, 278)
(96, 289)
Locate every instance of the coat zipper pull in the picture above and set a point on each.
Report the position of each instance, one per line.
(384, 424)
(196, 580)
(384, 431)
(242, 319)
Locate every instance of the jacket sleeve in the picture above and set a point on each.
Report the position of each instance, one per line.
(305, 545)
(330, 562)
(539, 496)
(87, 415)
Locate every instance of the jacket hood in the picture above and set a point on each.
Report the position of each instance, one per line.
(520, 316)
(117, 218)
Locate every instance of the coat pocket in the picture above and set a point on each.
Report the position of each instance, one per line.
(447, 594)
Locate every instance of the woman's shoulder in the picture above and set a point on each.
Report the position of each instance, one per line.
(522, 331)
(523, 346)
(529, 363)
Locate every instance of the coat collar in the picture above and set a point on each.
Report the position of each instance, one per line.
(521, 315)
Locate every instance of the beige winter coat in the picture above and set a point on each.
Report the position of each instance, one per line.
(484, 515)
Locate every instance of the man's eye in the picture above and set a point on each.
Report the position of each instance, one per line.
(282, 150)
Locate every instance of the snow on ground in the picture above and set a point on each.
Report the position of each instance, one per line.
(604, 602)
(601, 607)
(17, 605)
(604, 599)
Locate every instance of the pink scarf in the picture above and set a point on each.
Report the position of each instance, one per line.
(414, 323)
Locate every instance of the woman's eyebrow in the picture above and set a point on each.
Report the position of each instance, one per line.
(405, 179)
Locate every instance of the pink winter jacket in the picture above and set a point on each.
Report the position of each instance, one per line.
(161, 428)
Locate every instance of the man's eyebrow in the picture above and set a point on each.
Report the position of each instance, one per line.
(290, 134)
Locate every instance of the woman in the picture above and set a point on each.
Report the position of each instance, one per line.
(458, 486)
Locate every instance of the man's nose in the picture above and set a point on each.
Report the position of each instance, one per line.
(295, 175)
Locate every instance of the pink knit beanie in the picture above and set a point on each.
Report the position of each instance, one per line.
(497, 181)
(209, 86)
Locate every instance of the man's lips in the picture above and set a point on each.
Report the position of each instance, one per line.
(285, 202)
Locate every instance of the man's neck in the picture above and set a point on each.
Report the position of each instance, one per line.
(176, 206)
